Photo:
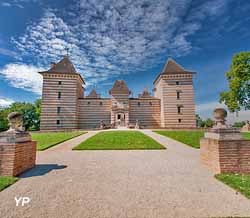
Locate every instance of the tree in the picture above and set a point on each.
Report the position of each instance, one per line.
(239, 124)
(199, 121)
(30, 112)
(238, 78)
(208, 123)
(204, 123)
(3, 120)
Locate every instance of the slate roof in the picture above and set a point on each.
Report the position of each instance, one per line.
(171, 67)
(145, 94)
(93, 94)
(119, 87)
(63, 66)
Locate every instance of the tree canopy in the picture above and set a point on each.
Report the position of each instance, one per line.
(31, 114)
(208, 123)
(238, 95)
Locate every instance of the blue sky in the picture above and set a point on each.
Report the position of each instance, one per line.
(121, 39)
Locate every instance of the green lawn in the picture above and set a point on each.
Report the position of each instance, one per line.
(191, 138)
(49, 139)
(119, 140)
(246, 135)
(241, 183)
(6, 181)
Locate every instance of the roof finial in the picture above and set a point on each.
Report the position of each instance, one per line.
(170, 56)
(67, 50)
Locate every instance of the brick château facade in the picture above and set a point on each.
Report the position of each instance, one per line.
(64, 105)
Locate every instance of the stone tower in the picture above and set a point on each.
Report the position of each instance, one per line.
(174, 86)
(119, 103)
(62, 87)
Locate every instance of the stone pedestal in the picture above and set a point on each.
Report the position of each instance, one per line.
(17, 153)
(225, 151)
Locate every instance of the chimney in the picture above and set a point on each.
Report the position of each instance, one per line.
(52, 64)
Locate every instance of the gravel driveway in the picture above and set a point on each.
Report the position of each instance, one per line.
(121, 184)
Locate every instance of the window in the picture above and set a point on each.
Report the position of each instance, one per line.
(179, 109)
(58, 110)
(59, 82)
(177, 83)
(100, 103)
(58, 122)
(150, 103)
(59, 95)
(139, 104)
(178, 95)
(179, 120)
(88, 102)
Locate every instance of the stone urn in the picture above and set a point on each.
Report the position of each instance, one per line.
(17, 150)
(220, 115)
(246, 127)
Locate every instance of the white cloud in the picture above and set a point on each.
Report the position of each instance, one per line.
(7, 52)
(206, 111)
(23, 76)
(5, 4)
(17, 3)
(114, 37)
(5, 102)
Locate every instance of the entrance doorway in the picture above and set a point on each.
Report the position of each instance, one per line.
(120, 119)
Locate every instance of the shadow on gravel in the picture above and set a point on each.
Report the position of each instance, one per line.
(41, 169)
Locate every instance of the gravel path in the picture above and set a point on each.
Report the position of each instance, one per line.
(122, 184)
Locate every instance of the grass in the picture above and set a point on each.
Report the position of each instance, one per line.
(191, 138)
(246, 135)
(49, 139)
(119, 140)
(241, 183)
(6, 181)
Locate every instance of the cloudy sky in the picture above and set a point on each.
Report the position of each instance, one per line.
(121, 39)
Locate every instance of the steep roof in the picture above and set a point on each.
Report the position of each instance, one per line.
(119, 87)
(63, 66)
(93, 94)
(145, 94)
(171, 67)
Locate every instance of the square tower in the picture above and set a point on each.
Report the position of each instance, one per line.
(174, 86)
(62, 86)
